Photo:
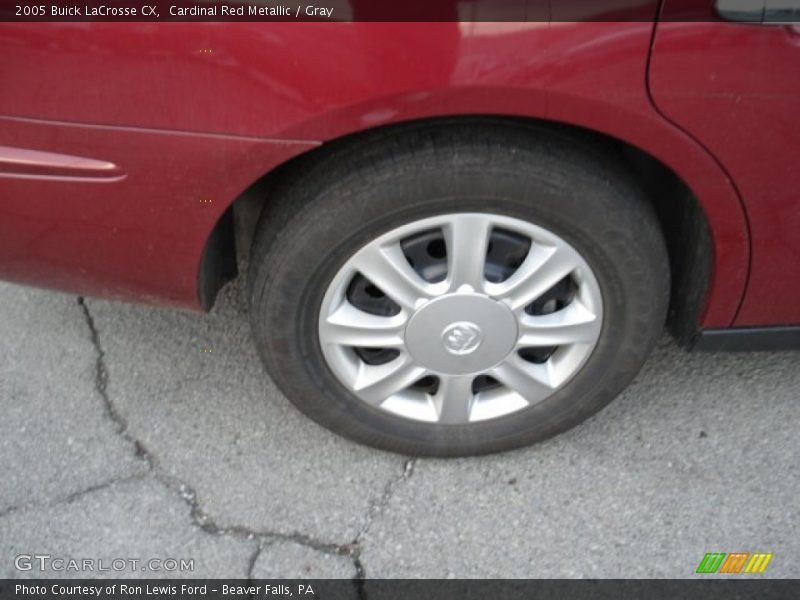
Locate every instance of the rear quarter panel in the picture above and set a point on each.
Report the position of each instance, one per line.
(736, 88)
(200, 110)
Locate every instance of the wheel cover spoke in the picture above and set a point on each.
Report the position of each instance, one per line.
(375, 383)
(350, 326)
(544, 267)
(460, 349)
(388, 269)
(454, 399)
(530, 381)
(467, 238)
(572, 325)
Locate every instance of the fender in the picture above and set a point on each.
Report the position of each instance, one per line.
(201, 112)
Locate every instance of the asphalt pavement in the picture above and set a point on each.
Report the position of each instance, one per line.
(130, 432)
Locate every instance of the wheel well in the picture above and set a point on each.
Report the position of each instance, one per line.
(682, 219)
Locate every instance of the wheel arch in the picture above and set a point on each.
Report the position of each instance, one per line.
(685, 221)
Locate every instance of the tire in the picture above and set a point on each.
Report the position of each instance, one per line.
(346, 197)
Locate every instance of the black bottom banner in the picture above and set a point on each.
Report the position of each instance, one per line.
(416, 589)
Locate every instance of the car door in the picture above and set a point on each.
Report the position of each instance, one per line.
(735, 87)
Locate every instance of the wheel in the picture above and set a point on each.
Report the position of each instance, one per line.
(457, 290)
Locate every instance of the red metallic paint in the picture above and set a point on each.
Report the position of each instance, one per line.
(185, 125)
(137, 237)
(736, 88)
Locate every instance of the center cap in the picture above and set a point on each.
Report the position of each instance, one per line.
(462, 337)
(460, 334)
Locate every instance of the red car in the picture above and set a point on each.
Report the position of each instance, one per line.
(462, 237)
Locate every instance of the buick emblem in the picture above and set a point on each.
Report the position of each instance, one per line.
(462, 337)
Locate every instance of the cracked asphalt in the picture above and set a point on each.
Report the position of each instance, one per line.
(134, 432)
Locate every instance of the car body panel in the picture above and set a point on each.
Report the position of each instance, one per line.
(185, 124)
(136, 233)
(736, 89)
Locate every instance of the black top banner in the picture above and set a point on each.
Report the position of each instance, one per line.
(397, 10)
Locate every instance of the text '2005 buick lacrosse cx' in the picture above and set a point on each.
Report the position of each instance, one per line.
(461, 237)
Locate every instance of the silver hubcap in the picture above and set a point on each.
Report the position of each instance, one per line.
(460, 318)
